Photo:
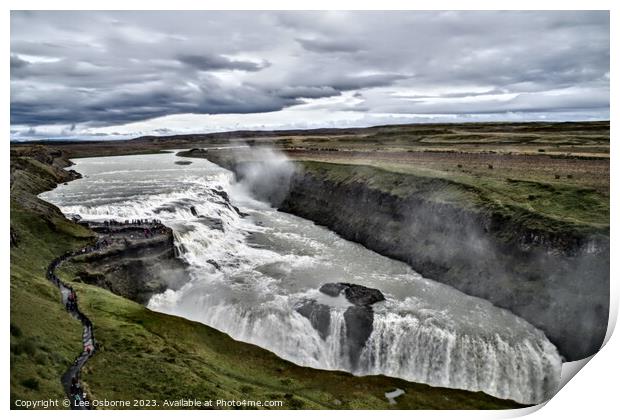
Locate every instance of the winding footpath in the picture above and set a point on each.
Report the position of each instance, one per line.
(70, 380)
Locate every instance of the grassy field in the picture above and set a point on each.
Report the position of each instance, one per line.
(44, 339)
(557, 170)
(472, 167)
(554, 204)
(584, 139)
(559, 139)
(148, 355)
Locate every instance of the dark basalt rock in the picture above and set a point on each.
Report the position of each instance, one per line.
(359, 320)
(74, 217)
(214, 264)
(239, 212)
(332, 289)
(223, 194)
(74, 175)
(318, 315)
(356, 294)
(358, 317)
(14, 238)
(360, 295)
(193, 210)
(226, 198)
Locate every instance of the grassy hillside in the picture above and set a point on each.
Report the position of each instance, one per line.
(147, 355)
(44, 339)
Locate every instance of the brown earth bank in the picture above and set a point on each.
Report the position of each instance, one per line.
(553, 273)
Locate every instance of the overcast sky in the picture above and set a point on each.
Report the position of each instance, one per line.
(125, 74)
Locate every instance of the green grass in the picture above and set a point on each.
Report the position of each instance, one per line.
(44, 339)
(585, 138)
(544, 206)
(148, 355)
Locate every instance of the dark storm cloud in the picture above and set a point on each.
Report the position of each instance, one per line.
(110, 68)
(207, 62)
(17, 63)
(141, 102)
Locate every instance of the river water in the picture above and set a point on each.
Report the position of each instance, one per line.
(249, 270)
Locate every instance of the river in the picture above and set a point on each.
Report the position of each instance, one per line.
(251, 267)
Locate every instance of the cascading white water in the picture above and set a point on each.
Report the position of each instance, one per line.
(248, 275)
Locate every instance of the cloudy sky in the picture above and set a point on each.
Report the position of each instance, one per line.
(124, 74)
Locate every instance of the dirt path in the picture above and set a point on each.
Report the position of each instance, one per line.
(115, 234)
(71, 378)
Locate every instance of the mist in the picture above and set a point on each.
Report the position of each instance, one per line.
(264, 173)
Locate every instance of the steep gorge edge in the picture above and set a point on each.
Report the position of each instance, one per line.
(148, 355)
(552, 274)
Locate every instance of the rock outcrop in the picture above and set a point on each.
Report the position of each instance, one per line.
(133, 266)
(358, 321)
(358, 317)
(356, 294)
(318, 314)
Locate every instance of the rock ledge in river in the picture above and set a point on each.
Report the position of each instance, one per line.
(356, 294)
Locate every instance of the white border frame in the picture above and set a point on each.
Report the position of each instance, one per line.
(592, 394)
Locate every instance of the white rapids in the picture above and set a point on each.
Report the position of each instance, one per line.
(248, 272)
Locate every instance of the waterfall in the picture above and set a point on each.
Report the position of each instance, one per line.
(405, 347)
(251, 267)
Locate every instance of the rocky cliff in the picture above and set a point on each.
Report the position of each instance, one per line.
(554, 275)
(132, 265)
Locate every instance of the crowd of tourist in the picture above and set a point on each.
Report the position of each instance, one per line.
(76, 393)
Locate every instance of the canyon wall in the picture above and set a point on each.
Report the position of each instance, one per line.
(555, 277)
